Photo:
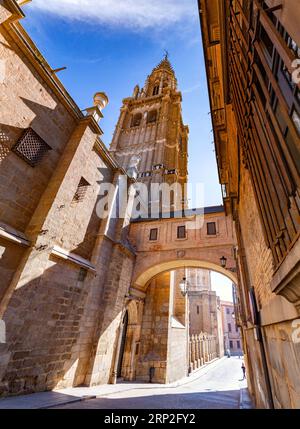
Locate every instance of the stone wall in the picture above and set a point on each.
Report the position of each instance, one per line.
(155, 331)
(163, 352)
(64, 270)
(276, 313)
(203, 312)
(232, 335)
(260, 181)
(177, 362)
(34, 105)
(177, 354)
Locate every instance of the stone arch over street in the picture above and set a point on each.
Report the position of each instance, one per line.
(198, 249)
(142, 280)
(157, 346)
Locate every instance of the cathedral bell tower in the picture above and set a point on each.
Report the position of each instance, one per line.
(150, 140)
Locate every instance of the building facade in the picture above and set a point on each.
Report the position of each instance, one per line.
(205, 313)
(84, 298)
(150, 143)
(76, 301)
(64, 269)
(232, 337)
(251, 50)
(162, 327)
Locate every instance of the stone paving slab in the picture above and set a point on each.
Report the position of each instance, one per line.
(218, 388)
(37, 400)
(76, 394)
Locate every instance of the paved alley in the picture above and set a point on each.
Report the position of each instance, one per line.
(220, 388)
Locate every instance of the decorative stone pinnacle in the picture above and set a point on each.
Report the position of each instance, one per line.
(100, 101)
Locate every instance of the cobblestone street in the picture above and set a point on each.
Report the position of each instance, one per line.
(220, 388)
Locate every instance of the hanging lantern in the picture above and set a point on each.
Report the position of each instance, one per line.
(223, 261)
(183, 286)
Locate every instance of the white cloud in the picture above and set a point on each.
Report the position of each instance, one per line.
(138, 14)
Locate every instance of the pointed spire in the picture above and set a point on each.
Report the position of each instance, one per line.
(165, 64)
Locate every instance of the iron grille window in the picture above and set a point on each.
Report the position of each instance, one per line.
(81, 190)
(153, 234)
(31, 147)
(211, 228)
(231, 344)
(229, 327)
(181, 233)
(238, 344)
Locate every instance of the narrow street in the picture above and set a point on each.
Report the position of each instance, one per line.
(219, 388)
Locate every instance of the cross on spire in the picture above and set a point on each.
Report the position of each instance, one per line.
(166, 54)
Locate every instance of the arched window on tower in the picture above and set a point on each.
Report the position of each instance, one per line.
(136, 120)
(152, 116)
(156, 90)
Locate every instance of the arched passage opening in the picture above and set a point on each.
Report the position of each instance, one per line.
(158, 345)
(142, 280)
(129, 340)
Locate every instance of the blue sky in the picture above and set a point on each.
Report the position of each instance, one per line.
(111, 45)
